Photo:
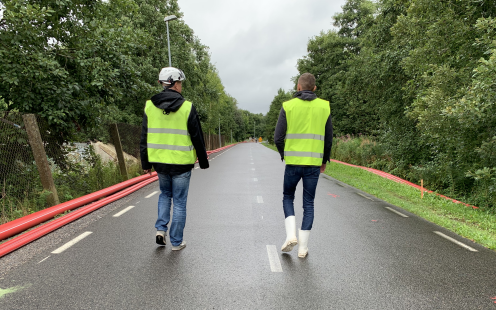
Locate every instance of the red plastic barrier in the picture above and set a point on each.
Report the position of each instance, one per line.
(400, 180)
(38, 232)
(15, 227)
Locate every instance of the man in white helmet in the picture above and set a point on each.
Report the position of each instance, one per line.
(171, 142)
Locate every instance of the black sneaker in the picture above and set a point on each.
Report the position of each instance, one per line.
(160, 237)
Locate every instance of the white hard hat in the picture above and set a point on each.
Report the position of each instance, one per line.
(169, 75)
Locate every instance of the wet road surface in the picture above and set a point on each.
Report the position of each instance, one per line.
(363, 253)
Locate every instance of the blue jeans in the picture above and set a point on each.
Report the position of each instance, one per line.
(310, 176)
(173, 189)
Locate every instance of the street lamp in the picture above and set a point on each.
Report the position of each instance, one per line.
(166, 20)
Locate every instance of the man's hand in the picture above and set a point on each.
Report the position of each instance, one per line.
(148, 171)
(322, 168)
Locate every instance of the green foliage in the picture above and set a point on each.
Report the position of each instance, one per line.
(273, 114)
(82, 64)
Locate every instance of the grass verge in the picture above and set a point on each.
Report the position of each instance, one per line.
(476, 225)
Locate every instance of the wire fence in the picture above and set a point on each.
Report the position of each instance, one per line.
(77, 168)
(18, 172)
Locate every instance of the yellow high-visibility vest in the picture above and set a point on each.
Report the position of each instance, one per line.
(306, 131)
(168, 140)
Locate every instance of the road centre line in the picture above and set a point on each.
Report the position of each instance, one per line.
(72, 242)
(397, 212)
(275, 263)
(41, 261)
(252, 168)
(364, 196)
(259, 199)
(463, 245)
(123, 211)
(151, 194)
(255, 179)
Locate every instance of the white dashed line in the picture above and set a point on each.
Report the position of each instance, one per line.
(397, 212)
(255, 179)
(123, 211)
(253, 169)
(151, 194)
(365, 196)
(463, 245)
(275, 263)
(259, 199)
(44, 259)
(72, 242)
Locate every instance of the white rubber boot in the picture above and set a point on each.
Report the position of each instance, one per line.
(291, 241)
(303, 247)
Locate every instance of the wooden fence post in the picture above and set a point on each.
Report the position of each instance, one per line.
(114, 132)
(40, 157)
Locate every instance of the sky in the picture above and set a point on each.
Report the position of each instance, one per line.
(255, 44)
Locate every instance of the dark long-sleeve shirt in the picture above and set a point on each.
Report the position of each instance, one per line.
(282, 127)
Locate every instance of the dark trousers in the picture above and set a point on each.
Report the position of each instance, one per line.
(310, 176)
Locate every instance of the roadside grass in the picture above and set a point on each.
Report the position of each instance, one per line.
(474, 224)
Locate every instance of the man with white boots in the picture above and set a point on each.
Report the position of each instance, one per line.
(303, 137)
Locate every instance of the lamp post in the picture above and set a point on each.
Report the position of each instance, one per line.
(220, 141)
(167, 19)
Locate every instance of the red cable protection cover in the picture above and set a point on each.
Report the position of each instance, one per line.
(400, 180)
(38, 232)
(17, 226)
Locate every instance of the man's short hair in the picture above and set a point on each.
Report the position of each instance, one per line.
(307, 81)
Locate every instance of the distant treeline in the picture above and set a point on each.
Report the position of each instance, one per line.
(80, 64)
(419, 76)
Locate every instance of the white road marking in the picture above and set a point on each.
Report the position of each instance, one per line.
(397, 212)
(365, 196)
(197, 167)
(123, 211)
(252, 168)
(463, 245)
(275, 263)
(72, 242)
(259, 199)
(151, 194)
(44, 259)
(255, 179)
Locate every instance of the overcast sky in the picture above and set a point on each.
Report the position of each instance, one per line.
(255, 44)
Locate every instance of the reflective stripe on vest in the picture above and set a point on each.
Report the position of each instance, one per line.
(305, 133)
(168, 140)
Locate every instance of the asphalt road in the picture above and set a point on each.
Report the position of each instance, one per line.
(362, 255)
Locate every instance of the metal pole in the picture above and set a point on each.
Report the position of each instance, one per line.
(168, 44)
(220, 141)
(253, 129)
